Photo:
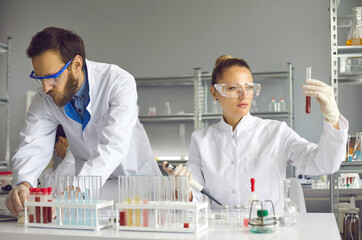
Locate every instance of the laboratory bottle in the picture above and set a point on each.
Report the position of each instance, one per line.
(282, 107)
(167, 108)
(290, 211)
(357, 147)
(252, 196)
(226, 213)
(354, 64)
(273, 105)
(351, 225)
(237, 214)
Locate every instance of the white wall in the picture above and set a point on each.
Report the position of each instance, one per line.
(165, 38)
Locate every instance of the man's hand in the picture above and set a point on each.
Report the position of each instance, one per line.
(16, 198)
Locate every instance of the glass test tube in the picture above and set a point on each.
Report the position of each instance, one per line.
(59, 198)
(145, 191)
(31, 209)
(129, 196)
(122, 199)
(88, 193)
(50, 210)
(137, 199)
(44, 198)
(308, 106)
(37, 209)
(96, 190)
(80, 186)
(66, 184)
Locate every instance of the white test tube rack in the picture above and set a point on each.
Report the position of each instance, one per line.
(99, 223)
(194, 209)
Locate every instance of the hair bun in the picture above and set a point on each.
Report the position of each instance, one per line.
(222, 58)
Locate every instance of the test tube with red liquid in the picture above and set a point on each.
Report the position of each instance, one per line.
(308, 106)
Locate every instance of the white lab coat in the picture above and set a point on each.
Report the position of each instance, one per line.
(113, 143)
(65, 167)
(224, 161)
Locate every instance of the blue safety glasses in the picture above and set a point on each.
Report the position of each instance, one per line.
(49, 80)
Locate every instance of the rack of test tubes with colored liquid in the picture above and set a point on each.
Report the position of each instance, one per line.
(77, 205)
(158, 203)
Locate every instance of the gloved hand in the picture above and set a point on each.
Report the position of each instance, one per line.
(325, 96)
(180, 170)
(16, 198)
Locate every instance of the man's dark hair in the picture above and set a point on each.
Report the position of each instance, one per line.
(66, 42)
(60, 133)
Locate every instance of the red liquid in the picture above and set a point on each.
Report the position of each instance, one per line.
(50, 213)
(186, 225)
(307, 104)
(31, 218)
(122, 218)
(246, 222)
(37, 210)
(45, 214)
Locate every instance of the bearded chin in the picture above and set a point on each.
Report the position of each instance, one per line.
(69, 90)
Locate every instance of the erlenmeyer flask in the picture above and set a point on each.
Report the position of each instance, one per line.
(354, 64)
(291, 210)
(357, 147)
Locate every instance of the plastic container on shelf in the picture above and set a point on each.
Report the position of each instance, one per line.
(5, 178)
(273, 107)
(282, 106)
(354, 64)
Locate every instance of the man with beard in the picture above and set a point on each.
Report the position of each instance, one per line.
(96, 103)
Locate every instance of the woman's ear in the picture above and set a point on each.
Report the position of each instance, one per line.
(214, 93)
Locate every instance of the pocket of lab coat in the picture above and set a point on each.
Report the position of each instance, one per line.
(263, 169)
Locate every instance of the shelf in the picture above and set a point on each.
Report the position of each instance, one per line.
(4, 48)
(344, 21)
(347, 78)
(165, 81)
(350, 51)
(4, 101)
(216, 116)
(167, 118)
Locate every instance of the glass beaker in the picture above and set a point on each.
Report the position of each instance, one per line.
(290, 211)
(351, 225)
(354, 64)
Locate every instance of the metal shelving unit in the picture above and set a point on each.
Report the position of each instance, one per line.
(338, 55)
(201, 86)
(5, 102)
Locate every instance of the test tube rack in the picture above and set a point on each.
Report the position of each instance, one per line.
(96, 225)
(196, 214)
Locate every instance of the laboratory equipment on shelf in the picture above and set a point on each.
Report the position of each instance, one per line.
(273, 107)
(354, 64)
(167, 108)
(351, 225)
(197, 186)
(282, 106)
(262, 222)
(356, 156)
(308, 106)
(158, 203)
(290, 211)
(77, 202)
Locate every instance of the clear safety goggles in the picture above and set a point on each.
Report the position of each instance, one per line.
(235, 90)
(49, 80)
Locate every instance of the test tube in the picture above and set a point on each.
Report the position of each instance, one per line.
(66, 199)
(87, 193)
(80, 184)
(137, 199)
(44, 198)
(308, 106)
(145, 196)
(37, 209)
(31, 209)
(129, 196)
(96, 192)
(59, 198)
(50, 210)
(122, 199)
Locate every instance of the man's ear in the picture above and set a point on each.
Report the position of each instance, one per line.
(77, 63)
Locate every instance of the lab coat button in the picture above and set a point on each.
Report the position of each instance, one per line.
(232, 162)
(233, 191)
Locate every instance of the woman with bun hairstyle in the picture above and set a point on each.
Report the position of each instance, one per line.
(225, 156)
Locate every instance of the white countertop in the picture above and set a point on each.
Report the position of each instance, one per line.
(310, 226)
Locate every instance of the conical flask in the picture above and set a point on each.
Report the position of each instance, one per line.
(290, 211)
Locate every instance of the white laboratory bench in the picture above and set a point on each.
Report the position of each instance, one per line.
(310, 226)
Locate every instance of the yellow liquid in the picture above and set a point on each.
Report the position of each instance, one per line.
(354, 42)
(137, 200)
(129, 213)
